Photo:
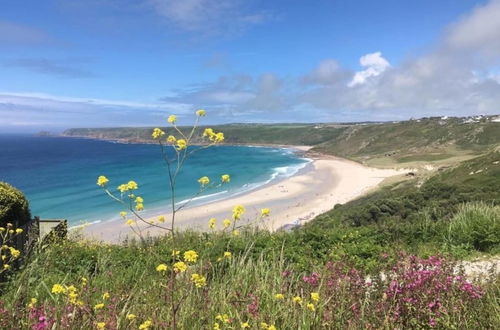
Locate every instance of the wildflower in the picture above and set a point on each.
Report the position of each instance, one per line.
(139, 200)
(219, 137)
(122, 188)
(216, 326)
(204, 180)
(161, 268)
(161, 219)
(208, 132)
(139, 206)
(236, 232)
(145, 325)
(105, 295)
(190, 256)
(130, 222)
(157, 133)
(180, 267)
(172, 119)
(228, 254)
(271, 327)
(225, 178)
(263, 325)
(123, 214)
(297, 300)
(11, 231)
(181, 144)
(245, 325)
(315, 296)
(19, 230)
(199, 280)
(99, 306)
(2, 229)
(32, 303)
(6, 266)
(201, 113)
(101, 325)
(223, 318)
(175, 253)
(9, 224)
(211, 223)
(102, 180)
(227, 223)
(84, 281)
(238, 211)
(311, 307)
(14, 252)
(132, 185)
(171, 139)
(58, 289)
(279, 296)
(130, 316)
(265, 212)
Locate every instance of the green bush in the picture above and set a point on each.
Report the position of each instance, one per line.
(14, 207)
(476, 226)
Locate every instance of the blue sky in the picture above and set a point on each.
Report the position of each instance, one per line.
(69, 63)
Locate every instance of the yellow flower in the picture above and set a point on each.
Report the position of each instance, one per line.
(122, 188)
(176, 253)
(181, 144)
(161, 219)
(180, 267)
(19, 230)
(171, 139)
(236, 232)
(199, 280)
(99, 306)
(297, 300)
(130, 316)
(227, 223)
(139, 207)
(11, 231)
(223, 318)
(228, 254)
(216, 326)
(172, 119)
(9, 224)
(204, 180)
(265, 212)
(2, 229)
(145, 325)
(105, 295)
(211, 223)
(132, 185)
(208, 132)
(6, 266)
(32, 303)
(201, 113)
(14, 252)
(123, 214)
(279, 296)
(190, 256)
(161, 268)
(245, 325)
(157, 133)
(58, 289)
(219, 137)
(271, 327)
(225, 178)
(130, 222)
(238, 211)
(84, 281)
(101, 325)
(102, 180)
(315, 296)
(139, 200)
(263, 325)
(311, 307)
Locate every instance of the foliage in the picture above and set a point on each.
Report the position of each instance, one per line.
(14, 207)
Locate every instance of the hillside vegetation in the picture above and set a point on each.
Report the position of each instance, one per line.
(378, 144)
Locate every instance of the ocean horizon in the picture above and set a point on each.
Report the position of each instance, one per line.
(58, 174)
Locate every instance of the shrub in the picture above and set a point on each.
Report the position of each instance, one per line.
(476, 225)
(14, 207)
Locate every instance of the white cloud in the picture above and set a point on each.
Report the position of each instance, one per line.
(374, 63)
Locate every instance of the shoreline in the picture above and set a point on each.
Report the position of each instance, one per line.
(324, 182)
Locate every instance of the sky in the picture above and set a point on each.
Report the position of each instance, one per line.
(108, 63)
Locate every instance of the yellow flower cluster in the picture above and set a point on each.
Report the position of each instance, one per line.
(157, 133)
(101, 325)
(145, 325)
(199, 280)
(204, 180)
(238, 211)
(172, 119)
(265, 326)
(181, 144)
(161, 268)
(71, 292)
(102, 181)
(201, 113)
(180, 267)
(227, 223)
(211, 223)
(225, 178)
(171, 139)
(279, 296)
(139, 206)
(190, 256)
(131, 185)
(265, 212)
(213, 136)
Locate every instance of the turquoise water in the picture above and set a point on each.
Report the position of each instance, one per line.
(58, 175)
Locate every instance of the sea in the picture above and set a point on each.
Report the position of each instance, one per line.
(58, 174)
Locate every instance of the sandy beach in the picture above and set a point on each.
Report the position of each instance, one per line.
(324, 182)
